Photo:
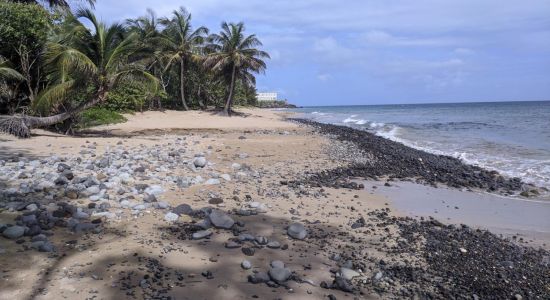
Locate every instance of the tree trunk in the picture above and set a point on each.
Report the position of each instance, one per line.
(21, 125)
(182, 83)
(229, 102)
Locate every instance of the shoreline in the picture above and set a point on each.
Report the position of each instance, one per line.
(255, 174)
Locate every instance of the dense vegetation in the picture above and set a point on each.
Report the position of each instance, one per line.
(56, 63)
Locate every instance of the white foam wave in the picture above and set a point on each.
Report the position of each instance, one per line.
(350, 120)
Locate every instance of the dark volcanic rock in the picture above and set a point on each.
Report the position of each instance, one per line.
(395, 160)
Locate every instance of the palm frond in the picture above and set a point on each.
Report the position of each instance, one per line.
(52, 97)
(8, 73)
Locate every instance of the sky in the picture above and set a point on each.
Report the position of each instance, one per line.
(352, 52)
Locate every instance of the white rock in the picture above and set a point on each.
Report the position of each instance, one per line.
(154, 190)
(226, 177)
(348, 274)
(171, 217)
(199, 162)
(212, 181)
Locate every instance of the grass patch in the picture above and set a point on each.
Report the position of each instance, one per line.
(99, 116)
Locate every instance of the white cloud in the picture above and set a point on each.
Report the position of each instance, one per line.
(463, 51)
(323, 77)
(383, 38)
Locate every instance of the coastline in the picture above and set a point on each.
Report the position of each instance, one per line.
(363, 230)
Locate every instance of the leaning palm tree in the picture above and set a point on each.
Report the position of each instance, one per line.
(81, 58)
(234, 56)
(180, 43)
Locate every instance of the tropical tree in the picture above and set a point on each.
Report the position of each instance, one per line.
(7, 72)
(234, 56)
(180, 43)
(79, 58)
(55, 3)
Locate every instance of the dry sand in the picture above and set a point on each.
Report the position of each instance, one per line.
(97, 265)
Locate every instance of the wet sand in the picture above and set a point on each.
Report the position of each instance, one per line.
(526, 218)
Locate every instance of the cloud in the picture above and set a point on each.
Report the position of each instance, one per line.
(463, 51)
(383, 38)
(323, 77)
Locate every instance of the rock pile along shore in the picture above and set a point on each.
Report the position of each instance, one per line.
(385, 158)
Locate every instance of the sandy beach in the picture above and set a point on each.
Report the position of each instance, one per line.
(248, 168)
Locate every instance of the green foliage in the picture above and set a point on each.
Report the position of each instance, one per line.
(99, 116)
(127, 96)
(275, 104)
(23, 24)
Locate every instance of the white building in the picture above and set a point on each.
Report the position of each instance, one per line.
(266, 96)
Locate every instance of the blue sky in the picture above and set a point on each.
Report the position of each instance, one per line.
(386, 51)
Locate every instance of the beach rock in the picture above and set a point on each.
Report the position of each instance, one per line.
(212, 181)
(348, 274)
(277, 264)
(160, 205)
(232, 245)
(43, 246)
(245, 264)
(261, 240)
(32, 207)
(154, 190)
(183, 209)
(14, 232)
(274, 245)
(220, 220)
(149, 198)
(260, 277)
(202, 234)
(171, 217)
(342, 284)
(226, 177)
(279, 275)
(199, 162)
(297, 231)
(215, 201)
(248, 251)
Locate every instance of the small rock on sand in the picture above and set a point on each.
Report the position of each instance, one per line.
(297, 231)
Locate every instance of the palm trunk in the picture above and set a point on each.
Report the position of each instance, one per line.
(229, 102)
(21, 125)
(199, 96)
(182, 83)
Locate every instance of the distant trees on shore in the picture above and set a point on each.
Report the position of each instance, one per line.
(54, 64)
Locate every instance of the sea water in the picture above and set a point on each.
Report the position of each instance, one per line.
(512, 138)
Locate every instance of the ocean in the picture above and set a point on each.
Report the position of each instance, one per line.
(512, 138)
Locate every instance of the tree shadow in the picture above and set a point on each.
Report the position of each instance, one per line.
(16, 154)
(169, 263)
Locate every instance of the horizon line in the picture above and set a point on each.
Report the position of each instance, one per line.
(427, 103)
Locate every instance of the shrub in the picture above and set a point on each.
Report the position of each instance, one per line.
(99, 116)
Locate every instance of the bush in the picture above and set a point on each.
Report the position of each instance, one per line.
(99, 116)
(126, 96)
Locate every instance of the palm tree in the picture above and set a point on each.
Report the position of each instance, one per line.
(55, 3)
(79, 57)
(233, 55)
(181, 43)
(7, 72)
